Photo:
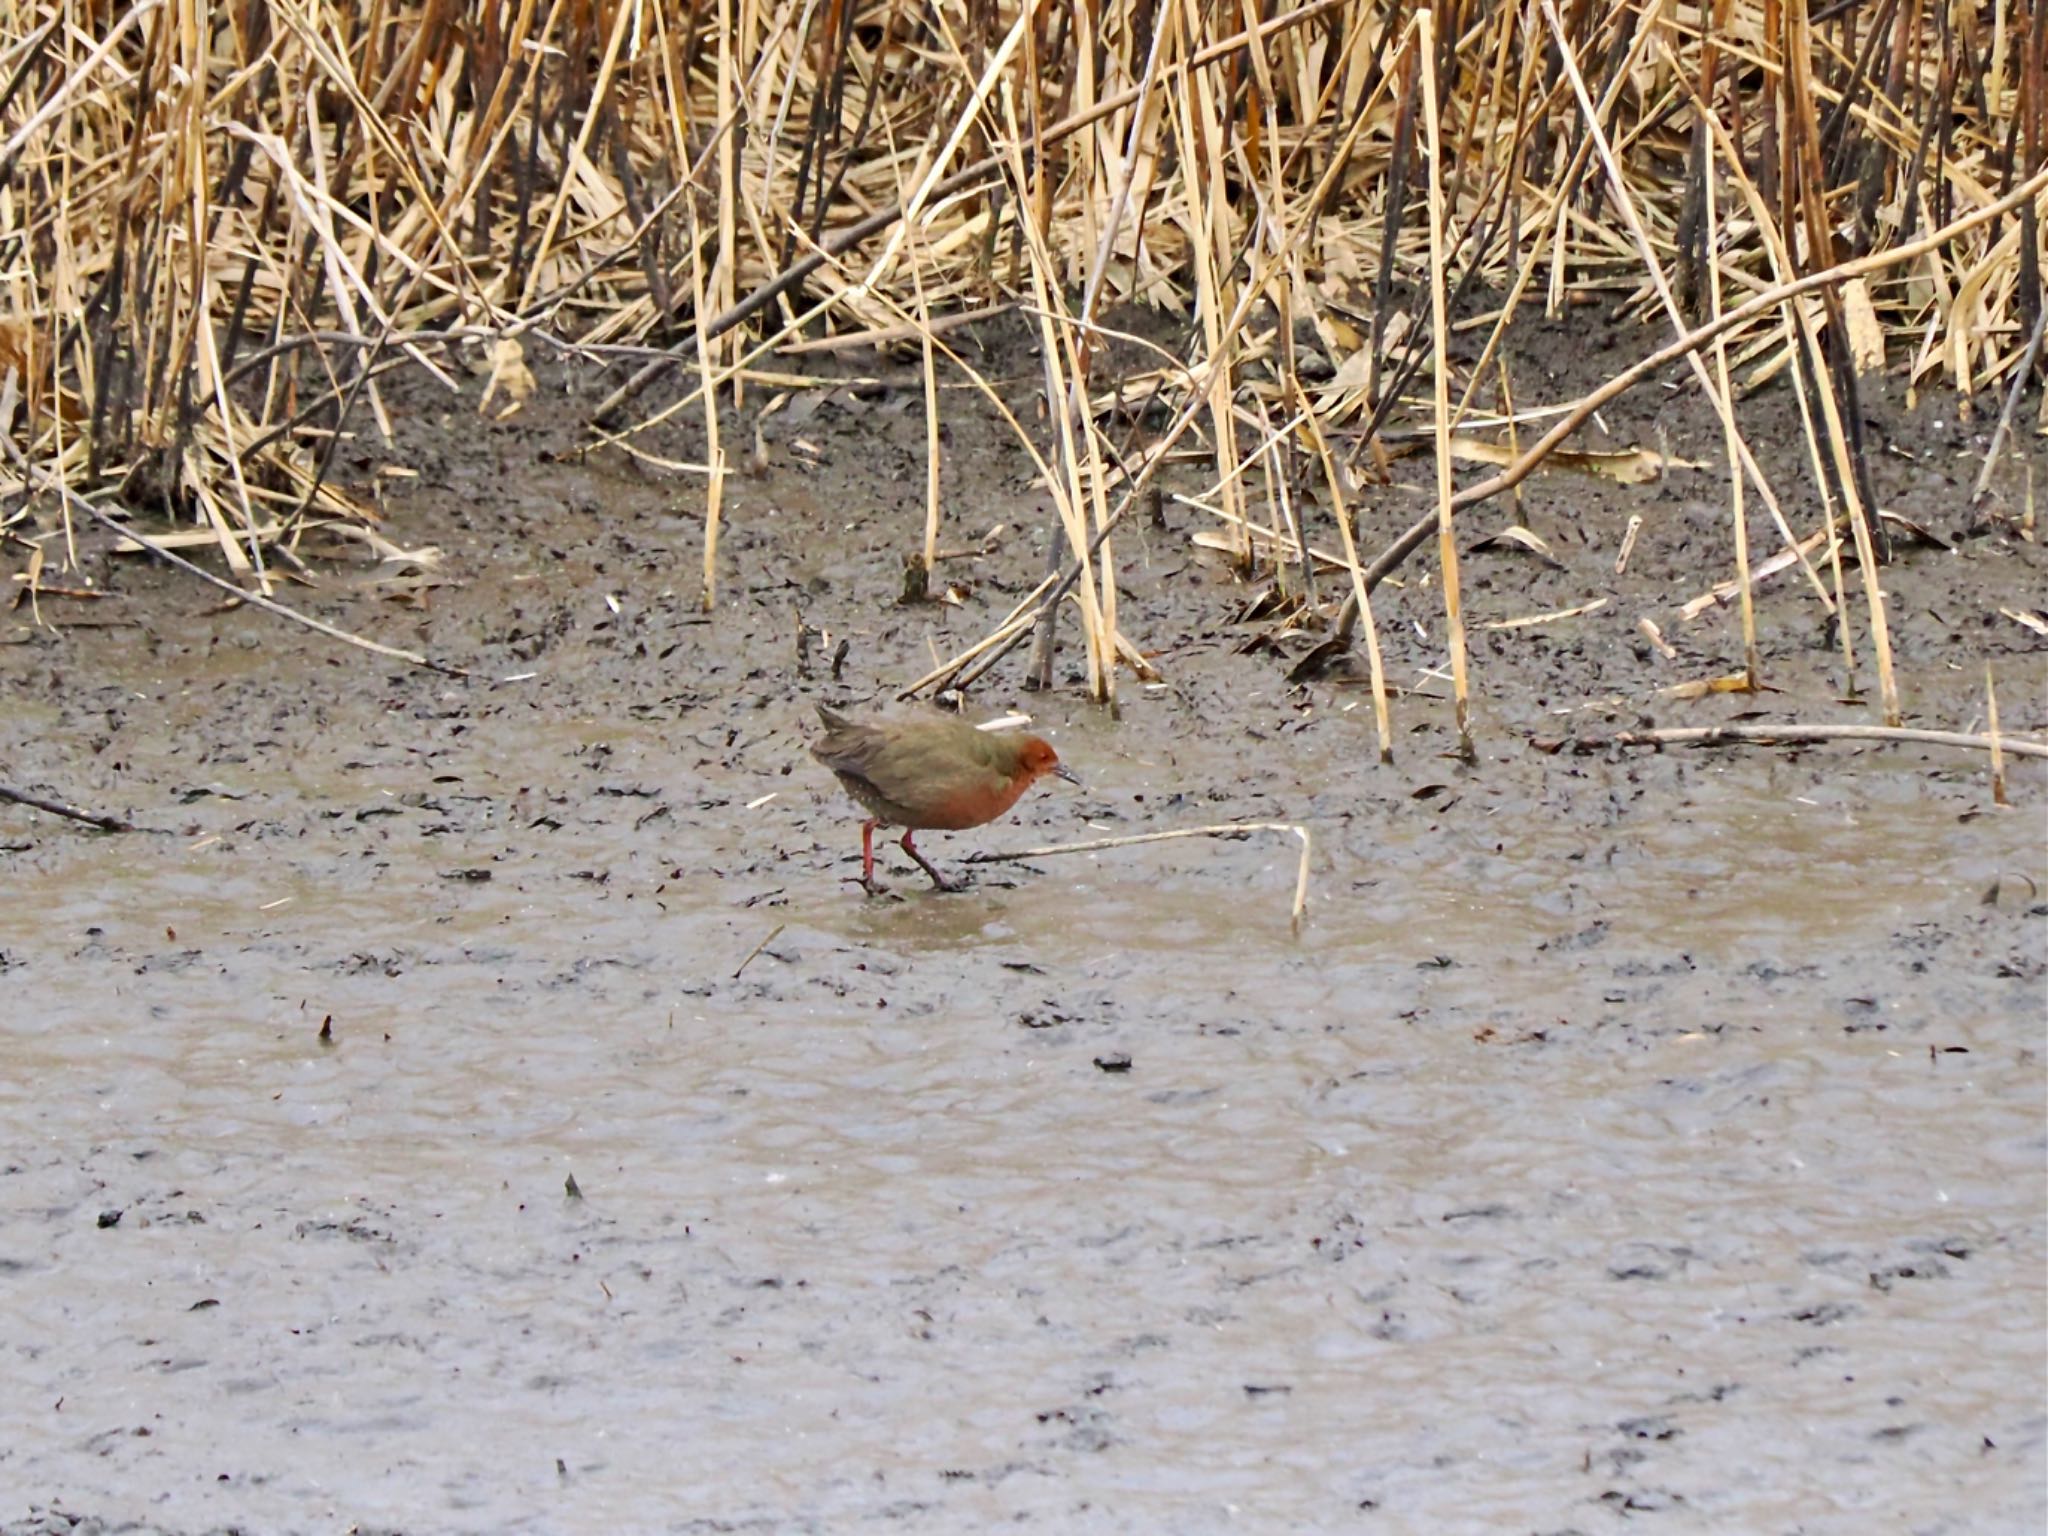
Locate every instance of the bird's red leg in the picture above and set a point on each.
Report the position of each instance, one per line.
(867, 853)
(927, 866)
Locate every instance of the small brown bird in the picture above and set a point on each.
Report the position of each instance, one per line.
(930, 772)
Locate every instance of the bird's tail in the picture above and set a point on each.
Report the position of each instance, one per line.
(834, 721)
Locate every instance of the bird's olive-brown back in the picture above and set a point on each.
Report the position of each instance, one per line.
(925, 770)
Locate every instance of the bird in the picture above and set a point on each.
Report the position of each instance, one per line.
(929, 772)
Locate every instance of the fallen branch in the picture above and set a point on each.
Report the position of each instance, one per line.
(59, 808)
(1223, 829)
(1784, 735)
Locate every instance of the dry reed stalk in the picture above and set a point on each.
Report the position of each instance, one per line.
(1082, 341)
(1781, 264)
(1233, 829)
(1517, 514)
(202, 186)
(1063, 372)
(714, 452)
(1762, 735)
(1998, 796)
(1018, 624)
(1337, 481)
(2028, 356)
(928, 360)
(724, 279)
(1198, 132)
(1803, 172)
(1624, 203)
(1752, 667)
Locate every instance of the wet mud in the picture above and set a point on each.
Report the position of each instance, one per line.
(482, 1104)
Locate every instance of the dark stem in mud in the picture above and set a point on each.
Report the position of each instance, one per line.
(2020, 375)
(1045, 630)
(62, 808)
(1052, 600)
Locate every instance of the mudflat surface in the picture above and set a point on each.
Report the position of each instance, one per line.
(1626, 1139)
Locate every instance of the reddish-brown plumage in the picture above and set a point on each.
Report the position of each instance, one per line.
(929, 772)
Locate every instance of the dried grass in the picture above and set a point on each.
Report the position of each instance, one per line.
(227, 222)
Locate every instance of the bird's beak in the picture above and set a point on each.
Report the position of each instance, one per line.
(1062, 771)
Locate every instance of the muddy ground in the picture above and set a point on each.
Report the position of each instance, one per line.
(1627, 1138)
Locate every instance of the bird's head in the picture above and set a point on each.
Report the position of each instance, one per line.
(1036, 759)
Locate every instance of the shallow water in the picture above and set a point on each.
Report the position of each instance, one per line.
(1555, 1169)
(1656, 1135)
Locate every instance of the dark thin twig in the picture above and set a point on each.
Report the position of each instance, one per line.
(773, 933)
(60, 808)
(2012, 404)
(31, 55)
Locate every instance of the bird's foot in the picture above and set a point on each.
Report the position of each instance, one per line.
(950, 884)
(938, 878)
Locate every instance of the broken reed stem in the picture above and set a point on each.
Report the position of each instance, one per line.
(1221, 829)
(1340, 508)
(773, 934)
(1021, 623)
(1991, 733)
(1517, 514)
(1793, 735)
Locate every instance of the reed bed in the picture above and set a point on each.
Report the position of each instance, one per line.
(226, 223)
